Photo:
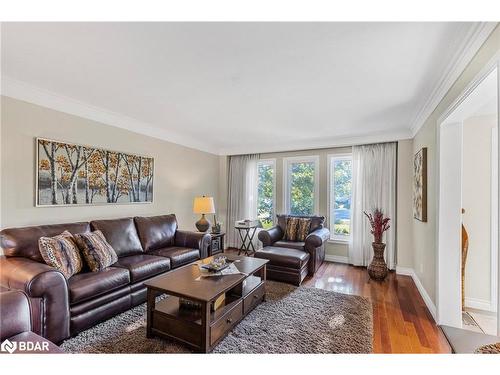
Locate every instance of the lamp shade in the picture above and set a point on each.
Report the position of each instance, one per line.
(203, 205)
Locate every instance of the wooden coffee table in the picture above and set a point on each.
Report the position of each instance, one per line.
(202, 329)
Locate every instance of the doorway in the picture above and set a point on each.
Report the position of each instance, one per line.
(468, 209)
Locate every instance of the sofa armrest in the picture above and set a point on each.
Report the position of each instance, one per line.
(15, 314)
(315, 246)
(271, 235)
(48, 292)
(194, 240)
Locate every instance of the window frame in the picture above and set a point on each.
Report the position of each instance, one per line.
(273, 163)
(338, 238)
(287, 162)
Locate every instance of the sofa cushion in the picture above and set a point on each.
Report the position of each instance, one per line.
(84, 286)
(23, 242)
(97, 252)
(283, 257)
(178, 255)
(156, 232)
(61, 252)
(290, 244)
(121, 235)
(143, 266)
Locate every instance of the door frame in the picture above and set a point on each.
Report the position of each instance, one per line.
(444, 269)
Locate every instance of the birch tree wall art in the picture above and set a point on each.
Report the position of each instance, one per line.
(71, 174)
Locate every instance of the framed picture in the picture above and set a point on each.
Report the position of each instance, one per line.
(420, 185)
(72, 174)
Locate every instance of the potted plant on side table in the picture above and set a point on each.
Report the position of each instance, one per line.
(379, 224)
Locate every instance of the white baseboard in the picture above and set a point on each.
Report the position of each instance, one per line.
(480, 304)
(336, 258)
(427, 300)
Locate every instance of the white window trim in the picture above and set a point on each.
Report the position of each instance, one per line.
(333, 237)
(286, 179)
(273, 163)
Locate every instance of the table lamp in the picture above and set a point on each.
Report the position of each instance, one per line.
(203, 205)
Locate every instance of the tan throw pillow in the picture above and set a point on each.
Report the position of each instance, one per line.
(97, 252)
(303, 229)
(61, 253)
(291, 229)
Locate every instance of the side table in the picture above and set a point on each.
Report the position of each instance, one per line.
(217, 243)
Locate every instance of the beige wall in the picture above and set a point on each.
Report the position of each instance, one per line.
(180, 173)
(476, 200)
(424, 234)
(404, 205)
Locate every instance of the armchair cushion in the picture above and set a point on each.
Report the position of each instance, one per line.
(303, 228)
(290, 245)
(292, 226)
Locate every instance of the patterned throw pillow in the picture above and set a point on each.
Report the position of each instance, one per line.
(97, 252)
(291, 228)
(303, 229)
(61, 253)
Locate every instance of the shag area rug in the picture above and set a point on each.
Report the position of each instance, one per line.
(292, 320)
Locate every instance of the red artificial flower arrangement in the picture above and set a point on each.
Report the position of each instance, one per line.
(379, 224)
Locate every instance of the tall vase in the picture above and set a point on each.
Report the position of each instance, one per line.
(378, 268)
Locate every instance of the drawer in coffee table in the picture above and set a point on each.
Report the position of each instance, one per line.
(254, 298)
(226, 322)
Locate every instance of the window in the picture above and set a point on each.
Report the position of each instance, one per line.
(266, 192)
(340, 196)
(301, 185)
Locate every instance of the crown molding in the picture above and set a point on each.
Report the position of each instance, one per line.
(26, 92)
(324, 142)
(462, 57)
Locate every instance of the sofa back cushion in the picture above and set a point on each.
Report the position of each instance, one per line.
(156, 232)
(317, 222)
(120, 234)
(23, 242)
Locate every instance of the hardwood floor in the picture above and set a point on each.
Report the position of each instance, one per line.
(401, 321)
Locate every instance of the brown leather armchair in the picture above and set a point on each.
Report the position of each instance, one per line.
(15, 325)
(314, 243)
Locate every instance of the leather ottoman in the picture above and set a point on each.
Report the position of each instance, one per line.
(287, 265)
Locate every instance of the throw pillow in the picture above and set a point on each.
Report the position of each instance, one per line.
(291, 229)
(61, 253)
(97, 252)
(303, 229)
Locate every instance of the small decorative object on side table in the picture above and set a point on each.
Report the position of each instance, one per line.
(379, 224)
(217, 243)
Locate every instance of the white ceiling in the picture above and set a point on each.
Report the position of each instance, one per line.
(232, 88)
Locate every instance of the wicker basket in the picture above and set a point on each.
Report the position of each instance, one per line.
(489, 349)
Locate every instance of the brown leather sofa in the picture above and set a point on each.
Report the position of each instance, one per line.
(146, 247)
(15, 325)
(314, 243)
